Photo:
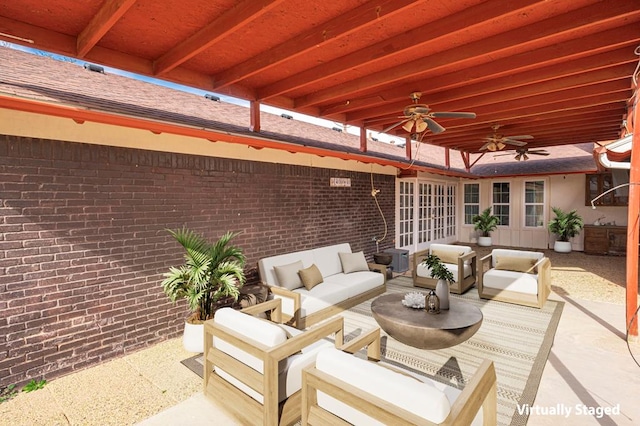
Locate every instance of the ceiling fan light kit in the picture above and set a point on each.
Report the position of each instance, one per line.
(418, 118)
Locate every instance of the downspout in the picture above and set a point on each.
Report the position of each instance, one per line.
(632, 228)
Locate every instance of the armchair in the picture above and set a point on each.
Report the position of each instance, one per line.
(515, 276)
(341, 389)
(460, 260)
(254, 366)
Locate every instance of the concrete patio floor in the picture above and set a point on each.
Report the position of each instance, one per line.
(589, 368)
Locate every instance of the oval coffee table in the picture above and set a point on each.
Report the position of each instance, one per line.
(417, 328)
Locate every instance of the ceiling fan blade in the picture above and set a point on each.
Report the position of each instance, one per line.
(538, 152)
(409, 124)
(513, 142)
(433, 126)
(485, 146)
(453, 114)
(393, 126)
(421, 126)
(519, 137)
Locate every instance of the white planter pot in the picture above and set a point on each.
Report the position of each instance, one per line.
(484, 241)
(193, 337)
(562, 246)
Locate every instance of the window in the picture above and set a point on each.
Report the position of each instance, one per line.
(471, 202)
(501, 202)
(534, 203)
(406, 214)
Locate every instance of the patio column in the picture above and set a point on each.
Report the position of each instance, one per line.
(632, 226)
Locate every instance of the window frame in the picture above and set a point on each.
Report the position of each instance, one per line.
(542, 203)
(465, 204)
(508, 204)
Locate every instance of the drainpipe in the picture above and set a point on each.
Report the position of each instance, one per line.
(632, 227)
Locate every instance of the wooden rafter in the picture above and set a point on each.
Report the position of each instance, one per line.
(110, 12)
(341, 26)
(232, 20)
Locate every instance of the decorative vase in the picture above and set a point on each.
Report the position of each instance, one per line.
(442, 291)
(193, 337)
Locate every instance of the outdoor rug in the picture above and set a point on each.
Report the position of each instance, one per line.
(516, 338)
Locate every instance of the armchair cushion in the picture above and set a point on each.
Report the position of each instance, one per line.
(517, 264)
(419, 397)
(310, 276)
(424, 271)
(269, 335)
(287, 275)
(447, 256)
(353, 262)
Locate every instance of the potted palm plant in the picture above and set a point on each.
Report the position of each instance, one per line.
(486, 223)
(565, 225)
(444, 276)
(211, 274)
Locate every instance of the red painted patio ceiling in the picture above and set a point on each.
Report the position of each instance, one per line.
(559, 70)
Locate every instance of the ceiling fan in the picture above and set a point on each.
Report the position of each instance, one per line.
(418, 118)
(496, 142)
(523, 153)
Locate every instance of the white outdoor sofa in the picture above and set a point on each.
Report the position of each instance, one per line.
(346, 279)
(460, 260)
(515, 276)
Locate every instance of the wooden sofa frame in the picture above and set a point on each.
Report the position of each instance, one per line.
(300, 322)
(271, 412)
(481, 391)
(461, 283)
(536, 301)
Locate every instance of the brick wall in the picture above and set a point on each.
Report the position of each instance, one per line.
(83, 243)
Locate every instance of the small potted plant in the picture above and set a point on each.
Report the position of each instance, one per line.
(211, 274)
(486, 223)
(565, 225)
(445, 277)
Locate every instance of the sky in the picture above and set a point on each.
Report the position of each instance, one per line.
(223, 98)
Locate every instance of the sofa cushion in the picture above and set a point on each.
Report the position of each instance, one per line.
(287, 275)
(266, 265)
(447, 256)
(418, 397)
(327, 259)
(353, 262)
(310, 276)
(320, 297)
(357, 283)
(512, 281)
(517, 264)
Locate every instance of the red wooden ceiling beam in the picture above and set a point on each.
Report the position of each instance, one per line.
(343, 25)
(232, 20)
(510, 41)
(414, 38)
(110, 12)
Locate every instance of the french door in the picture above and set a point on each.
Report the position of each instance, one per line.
(426, 212)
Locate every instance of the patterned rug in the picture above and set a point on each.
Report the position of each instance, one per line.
(516, 338)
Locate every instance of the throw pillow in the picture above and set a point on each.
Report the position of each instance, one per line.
(310, 276)
(353, 262)
(447, 256)
(518, 264)
(287, 275)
